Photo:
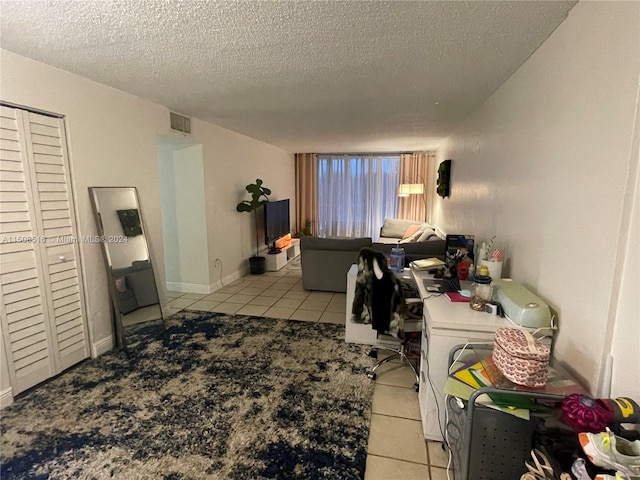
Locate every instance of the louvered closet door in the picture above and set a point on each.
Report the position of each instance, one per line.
(26, 328)
(46, 145)
(50, 212)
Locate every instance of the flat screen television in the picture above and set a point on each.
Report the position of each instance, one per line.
(276, 222)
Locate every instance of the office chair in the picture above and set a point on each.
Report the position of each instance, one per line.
(380, 301)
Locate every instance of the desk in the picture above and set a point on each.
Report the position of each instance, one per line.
(445, 325)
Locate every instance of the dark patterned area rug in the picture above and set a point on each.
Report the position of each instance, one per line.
(216, 396)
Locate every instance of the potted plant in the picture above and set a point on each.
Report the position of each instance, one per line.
(259, 196)
(305, 231)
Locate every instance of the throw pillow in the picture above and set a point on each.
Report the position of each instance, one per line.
(410, 231)
(121, 286)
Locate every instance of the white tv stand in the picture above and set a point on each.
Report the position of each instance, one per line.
(276, 261)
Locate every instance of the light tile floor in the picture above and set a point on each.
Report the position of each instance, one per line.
(396, 447)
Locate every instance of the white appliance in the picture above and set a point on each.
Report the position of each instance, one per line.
(522, 306)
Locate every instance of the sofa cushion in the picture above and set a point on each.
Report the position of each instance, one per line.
(389, 240)
(143, 284)
(334, 244)
(397, 227)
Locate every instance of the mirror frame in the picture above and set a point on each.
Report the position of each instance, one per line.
(117, 315)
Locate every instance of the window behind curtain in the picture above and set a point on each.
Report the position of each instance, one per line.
(356, 194)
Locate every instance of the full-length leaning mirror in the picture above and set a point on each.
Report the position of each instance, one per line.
(132, 283)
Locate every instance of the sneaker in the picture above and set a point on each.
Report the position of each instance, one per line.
(530, 476)
(612, 452)
(618, 476)
(579, 469)
(539, 465)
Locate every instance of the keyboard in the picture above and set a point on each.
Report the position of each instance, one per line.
(442, 285)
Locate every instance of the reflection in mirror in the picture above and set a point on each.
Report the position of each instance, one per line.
(132, 284)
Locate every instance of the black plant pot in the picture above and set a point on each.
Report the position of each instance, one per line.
(256, 265)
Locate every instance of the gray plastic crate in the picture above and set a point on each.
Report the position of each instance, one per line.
(488, 444)
(498, 447)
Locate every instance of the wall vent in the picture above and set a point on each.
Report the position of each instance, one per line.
(180, 123)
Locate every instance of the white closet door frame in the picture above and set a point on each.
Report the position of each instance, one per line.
(26, 327)
(51, 212)
(53, 197)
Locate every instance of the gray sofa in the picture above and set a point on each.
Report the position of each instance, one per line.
(135, 286)
(326, 261)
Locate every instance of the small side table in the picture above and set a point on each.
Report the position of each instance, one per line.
(488, 444)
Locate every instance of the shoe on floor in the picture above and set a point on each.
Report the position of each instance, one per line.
(617, 476)
(539, 465)
(609, 451)
(579, 469)
(529, 476)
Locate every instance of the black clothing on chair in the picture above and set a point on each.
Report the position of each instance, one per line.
(378, 301)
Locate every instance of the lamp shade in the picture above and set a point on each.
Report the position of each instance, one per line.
(406, 189)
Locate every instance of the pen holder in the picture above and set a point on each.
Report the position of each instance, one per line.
(463, 270)
(495, 268)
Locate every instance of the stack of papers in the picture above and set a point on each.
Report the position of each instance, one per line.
(427, 263)
(464, 378)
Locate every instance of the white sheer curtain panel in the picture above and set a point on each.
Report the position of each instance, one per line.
(356, 193)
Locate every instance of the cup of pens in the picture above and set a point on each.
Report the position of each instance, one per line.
(494, 263)
(463, 270)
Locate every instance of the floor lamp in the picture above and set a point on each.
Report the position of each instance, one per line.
(407, 189)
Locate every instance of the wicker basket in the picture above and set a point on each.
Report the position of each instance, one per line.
(520, 357)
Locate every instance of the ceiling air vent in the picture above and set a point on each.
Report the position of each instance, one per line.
(180, 123)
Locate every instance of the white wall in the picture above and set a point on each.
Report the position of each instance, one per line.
(231, 162)
(113, 142)
(622, 350)
(191, 216)
(543, 165)
(168, 210)
(184, 218)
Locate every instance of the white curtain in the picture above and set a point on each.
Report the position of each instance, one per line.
(356, 193)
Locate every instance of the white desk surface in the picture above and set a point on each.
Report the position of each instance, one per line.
(446, 315)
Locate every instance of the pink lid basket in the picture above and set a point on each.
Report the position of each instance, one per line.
(520, 357)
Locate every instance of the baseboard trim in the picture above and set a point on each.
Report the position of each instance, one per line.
(232, 277)
(206, 289)
(101, 346)
(189, 287)
(6, 397)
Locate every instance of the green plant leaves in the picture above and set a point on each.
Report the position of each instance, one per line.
(259, 196)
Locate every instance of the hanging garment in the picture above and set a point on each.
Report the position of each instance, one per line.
(378, 299)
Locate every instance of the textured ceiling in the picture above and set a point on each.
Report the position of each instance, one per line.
(307, 76)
